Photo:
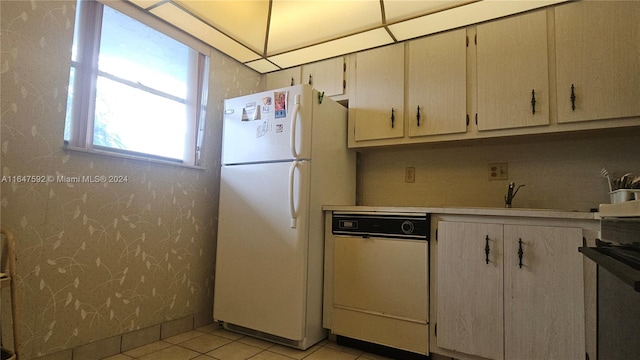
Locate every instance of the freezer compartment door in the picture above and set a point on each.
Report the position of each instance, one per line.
(261, 259)
(269, 126)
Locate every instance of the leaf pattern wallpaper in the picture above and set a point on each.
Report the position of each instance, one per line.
(101, 259)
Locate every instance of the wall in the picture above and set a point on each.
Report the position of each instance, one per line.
(559, 171)
(96, 260)
(100, 260)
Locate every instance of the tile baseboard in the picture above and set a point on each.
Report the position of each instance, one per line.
(124, 342)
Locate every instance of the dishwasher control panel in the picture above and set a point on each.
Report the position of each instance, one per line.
(394, 225)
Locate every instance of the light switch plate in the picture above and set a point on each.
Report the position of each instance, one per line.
(410, 175)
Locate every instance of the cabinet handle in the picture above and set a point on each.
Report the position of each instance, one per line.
(310, 79)
(520, 253)
(573, 98)
(393, 118)
(418, 116)
(487, 250)
(533, 102)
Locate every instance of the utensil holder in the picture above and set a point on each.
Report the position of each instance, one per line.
(623, 195)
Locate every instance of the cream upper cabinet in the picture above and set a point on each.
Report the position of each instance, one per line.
(597, 60)
(436, 84)
(283, 78)
(540, 72)
(376, 107)
(327, 76)
(512, 72)
(510, 291)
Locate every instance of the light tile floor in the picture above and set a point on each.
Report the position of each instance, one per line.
(212, 342)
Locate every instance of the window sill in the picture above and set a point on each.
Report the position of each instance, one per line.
(129, 157)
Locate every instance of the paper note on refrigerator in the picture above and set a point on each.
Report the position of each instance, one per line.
(251, 112)
(281, 104)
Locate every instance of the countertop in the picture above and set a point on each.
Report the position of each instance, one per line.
(488, 211)
(624, 209)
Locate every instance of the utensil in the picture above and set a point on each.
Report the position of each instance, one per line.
(626, 180)
(605, 173)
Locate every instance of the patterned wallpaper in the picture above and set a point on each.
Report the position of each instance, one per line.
(98, 259)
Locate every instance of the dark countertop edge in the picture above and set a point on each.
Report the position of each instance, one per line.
(622, 271)
(482, 211)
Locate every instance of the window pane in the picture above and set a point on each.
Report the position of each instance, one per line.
(133, 51)
(76, 33)
(70, 104)
(132, 119)
(144, 94)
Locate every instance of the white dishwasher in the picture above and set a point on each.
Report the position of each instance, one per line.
(380, 278)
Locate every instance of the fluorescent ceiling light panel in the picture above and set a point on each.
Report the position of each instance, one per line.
(262, 66)
(296, 24)
(398, 10)
(349, 44)
(463, 16)
(145, 3)
(204, 32)
(289, 33)
(245, 21)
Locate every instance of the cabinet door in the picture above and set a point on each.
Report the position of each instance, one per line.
(327, 76)
(436, 80)
(598, 54)
(379, 93)
(512, 71)
(469, 288)
(283, 78)
(544, 298)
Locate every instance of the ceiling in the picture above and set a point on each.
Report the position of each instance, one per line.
(269, 35)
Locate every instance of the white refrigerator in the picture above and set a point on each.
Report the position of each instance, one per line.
(284, 156)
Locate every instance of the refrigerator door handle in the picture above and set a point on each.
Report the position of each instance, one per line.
(292, 206)
(294, 121)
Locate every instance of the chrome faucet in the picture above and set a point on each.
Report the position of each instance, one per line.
(511, 194)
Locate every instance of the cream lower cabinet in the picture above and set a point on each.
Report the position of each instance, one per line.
(598, 60)
(510, 291)
(470, 289)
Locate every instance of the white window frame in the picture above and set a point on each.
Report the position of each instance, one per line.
(86, 72)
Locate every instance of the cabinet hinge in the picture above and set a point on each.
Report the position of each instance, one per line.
(475, 39)
(435, 329)
(476, 119)
(467, 41)
(436, 234)
(467, 119)
(584, 244)
(344, 67)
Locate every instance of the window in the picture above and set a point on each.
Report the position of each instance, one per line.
(134, 90)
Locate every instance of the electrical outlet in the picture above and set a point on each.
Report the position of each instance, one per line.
(498, 171)
(409, 174)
